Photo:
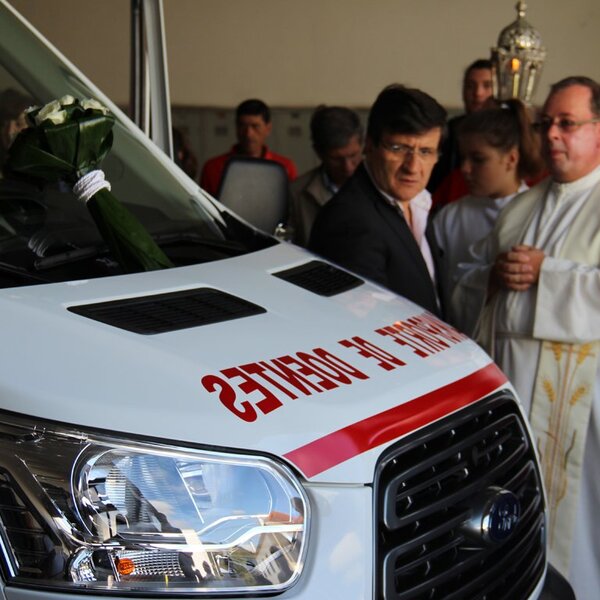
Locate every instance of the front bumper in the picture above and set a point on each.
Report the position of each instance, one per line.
(339, 563)
(556, 587)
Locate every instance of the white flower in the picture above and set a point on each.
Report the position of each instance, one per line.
(57, 117)
(46, 111)
(55, 113)
(91, 103)
(67, 100)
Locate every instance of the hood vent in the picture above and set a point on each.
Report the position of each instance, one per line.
(321, 278)
(169, 312)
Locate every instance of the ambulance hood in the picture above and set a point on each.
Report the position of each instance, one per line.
(324, 381)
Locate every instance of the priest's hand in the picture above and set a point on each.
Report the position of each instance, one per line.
(519, 268)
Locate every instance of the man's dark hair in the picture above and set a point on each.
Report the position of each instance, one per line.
(587, 82)
(480, 63)
(333, 127)
(399, 109)
(253, 107)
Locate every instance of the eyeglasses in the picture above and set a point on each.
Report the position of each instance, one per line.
(403, 151)
(565, 125)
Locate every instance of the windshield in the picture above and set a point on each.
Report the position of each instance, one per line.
(46, 234)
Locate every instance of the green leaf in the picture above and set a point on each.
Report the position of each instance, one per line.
(62, 140)
(27, 157)
(130, 244)
(94, 131)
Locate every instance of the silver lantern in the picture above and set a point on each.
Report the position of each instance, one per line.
(518, 59)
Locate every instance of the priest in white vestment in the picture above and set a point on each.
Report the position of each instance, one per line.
(536, 281)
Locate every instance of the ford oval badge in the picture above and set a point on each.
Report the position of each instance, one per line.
(501, 516)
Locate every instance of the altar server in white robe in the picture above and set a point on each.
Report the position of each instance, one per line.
(498, 150)
(538, 278)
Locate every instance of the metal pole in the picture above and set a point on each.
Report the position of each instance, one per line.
(160, 101)
(137, 84)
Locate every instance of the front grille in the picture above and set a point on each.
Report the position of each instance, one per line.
(428, 486)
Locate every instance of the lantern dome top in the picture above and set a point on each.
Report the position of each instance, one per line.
(520, 35)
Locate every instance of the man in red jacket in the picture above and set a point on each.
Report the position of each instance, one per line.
(253, 126)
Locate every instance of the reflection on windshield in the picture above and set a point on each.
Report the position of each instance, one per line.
(12, 117)
(46, 234)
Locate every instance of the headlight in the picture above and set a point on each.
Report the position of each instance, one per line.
(100, 513)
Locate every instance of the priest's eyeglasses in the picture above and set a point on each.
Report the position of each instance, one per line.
(565, 125)
(404, 151)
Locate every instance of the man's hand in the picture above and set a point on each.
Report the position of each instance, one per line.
(518, 269)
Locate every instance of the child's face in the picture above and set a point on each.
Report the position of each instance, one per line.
(488, 171)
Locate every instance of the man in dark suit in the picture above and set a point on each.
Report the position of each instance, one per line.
(377, 224)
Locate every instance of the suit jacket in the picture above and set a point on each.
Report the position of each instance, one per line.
(359, 230)
(308, 195)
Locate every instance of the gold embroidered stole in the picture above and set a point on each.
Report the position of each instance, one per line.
(565, 377)
(560, 412)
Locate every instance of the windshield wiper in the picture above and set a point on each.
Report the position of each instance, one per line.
(227, 247)
(70, 256)
(223, 247)
(21, 273)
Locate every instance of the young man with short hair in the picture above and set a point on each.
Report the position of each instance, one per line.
(253, 127)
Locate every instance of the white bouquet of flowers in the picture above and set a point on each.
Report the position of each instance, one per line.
(67, 139)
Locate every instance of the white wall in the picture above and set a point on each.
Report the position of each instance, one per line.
(303, 52)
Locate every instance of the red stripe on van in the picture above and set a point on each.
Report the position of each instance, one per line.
(346, 443)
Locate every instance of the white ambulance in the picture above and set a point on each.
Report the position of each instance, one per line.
(254, 422)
